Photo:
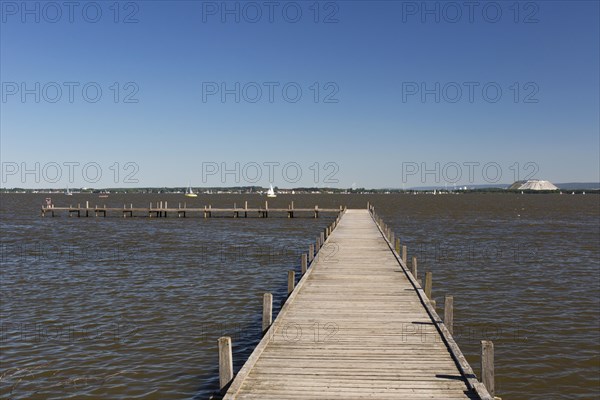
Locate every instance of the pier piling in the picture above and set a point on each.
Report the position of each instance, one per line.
(267, 316)
(449, 313)
(487, 365)
(225, 361)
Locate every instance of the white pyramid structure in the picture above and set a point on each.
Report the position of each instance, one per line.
(533, 184)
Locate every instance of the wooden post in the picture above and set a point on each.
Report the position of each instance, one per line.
(413, 269)
(392, 237)
(404, 254)
(267, 317)
(398, 246)
(487, 365)
(304, 263)
(322, 238)
(449, 313)
(225, 361)
(291, 281)
(311, 252)
(428, 284)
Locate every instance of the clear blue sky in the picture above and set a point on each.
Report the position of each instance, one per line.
(371, 61)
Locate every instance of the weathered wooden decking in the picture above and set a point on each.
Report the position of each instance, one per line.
(356, 326)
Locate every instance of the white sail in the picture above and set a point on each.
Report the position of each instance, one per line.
(189, 192)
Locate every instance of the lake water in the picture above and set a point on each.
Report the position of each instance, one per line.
(132, 308)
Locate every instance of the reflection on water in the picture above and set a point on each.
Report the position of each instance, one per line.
(132, 308)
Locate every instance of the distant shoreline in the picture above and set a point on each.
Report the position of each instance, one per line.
(304, 191)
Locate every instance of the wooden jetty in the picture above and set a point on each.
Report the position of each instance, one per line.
(162, 210)
(357, 325)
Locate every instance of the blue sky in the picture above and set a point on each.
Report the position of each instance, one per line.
(380, 104)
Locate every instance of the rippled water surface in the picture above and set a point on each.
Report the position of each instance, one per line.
(132, 308)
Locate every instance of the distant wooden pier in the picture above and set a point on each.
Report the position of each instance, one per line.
(359, 324)
(162, 210)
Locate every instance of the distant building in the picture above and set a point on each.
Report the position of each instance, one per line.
(532, 184)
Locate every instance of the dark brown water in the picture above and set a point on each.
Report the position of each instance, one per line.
(132, 308)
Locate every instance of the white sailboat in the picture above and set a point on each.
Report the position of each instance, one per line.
(189, 192)
(68, 192)
(271, 192)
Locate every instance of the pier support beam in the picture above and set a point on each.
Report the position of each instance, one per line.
(225, 361)
(487, 365)
(304, 263)
(413, 269)
(291, 281)
(428, 278)
(449, 313)
(267, 316)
